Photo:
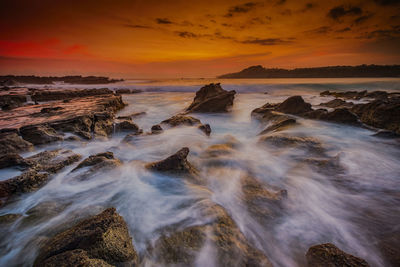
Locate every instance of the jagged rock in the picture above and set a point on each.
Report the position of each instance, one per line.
(280, 125)
(328, 255)
(40, 134)
(232, 248)
(103, 124)
(205, 128)
(179, 120)
(53, 161)
(77, 257)
(103, 237)
(380, 114)
(335, 103)
(104, 160)
(346, 95)
(10, 101)
(130, 116)
(176, 164)
(341, 115)
(264, 111)
(9, 218)
(294, 105)
(132, 136)
(212, 98)
(389, 247)
(57, 94)
(11, 142)
(80, 125)
(126, 125)
(315, 114)
(156, 129)
(127, 91)
(13, 160)
(386, 134)
(27, 182)
(309, 144)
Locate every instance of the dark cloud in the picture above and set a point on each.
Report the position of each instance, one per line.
(319, 30)
(280, 2)
(338, 12)
(387, 2)
(308, 6)
(186, 34)
(362, 19)
(383, 34)
(243, 8)
(266, 41)
(286, 12)
(136, 26)
(344, 29)
(163, 21)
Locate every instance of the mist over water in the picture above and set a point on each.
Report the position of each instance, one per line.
(350, 208)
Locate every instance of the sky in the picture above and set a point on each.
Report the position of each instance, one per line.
(173, 39)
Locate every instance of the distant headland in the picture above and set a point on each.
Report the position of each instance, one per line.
(318, 72)
(10, 80)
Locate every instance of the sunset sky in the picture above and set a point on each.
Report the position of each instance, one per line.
(148, 38)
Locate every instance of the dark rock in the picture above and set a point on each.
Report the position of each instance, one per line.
(328, 255)
(127, 91)
(341, 115)
(133, 115)
(386, 134)
(279, 125)
(206, 128)
(232, 248)
(212, 98)
(382, 95)
(13, 160)
(176, 164)
(10, 101)
(57, 94)
(308, 144)
(9, 218)
(315, 114)
(77, 257)
(11, 142)
(335, 103)
(380, 114)
(156, 129)
(104, 237)
(102, 160)
(26, 182)
(178, 120)
(294, 105)
(126, 125)
(53, 161)
(132, 136)
(345, 95)
(266, 110)
(40, 134)
(103, 124)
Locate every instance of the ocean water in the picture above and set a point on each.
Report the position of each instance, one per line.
(352, 208)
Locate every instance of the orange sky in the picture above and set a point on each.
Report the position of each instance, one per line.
(148, 38)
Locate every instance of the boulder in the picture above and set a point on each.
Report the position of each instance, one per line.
(279, 125)
(77, 257)
(29, 181)
(212, 98)
(11, 142)
(179, 120)
(328, 255)
(57, 94)
(205, 128)
(156, 129)
(294, 105)
(53, 161)
(223, 235)
(102, 239)
(308, 144)
(177, 164)
(130, 116)
(13, 160)
(98, 161)
(126, 125)
(39, 134)
(103, 124)
(335, 103)
(346, 95)
(79, 125)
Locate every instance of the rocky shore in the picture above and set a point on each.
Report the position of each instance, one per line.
(52, 116)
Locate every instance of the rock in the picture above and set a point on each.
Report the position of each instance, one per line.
(10, 101)
(156, 129)
(178, 120)
(177, 164)
(279, 125)
(389, 248)
(104, 160)
(380, 114)
(11, 142)
(53, 161)
(132, 136)
(335, 103)
(311, 145)
(264, 111)
(315, 114)
(232, 248)
(382, 95)
(80, 125)
(103, 124)
(27, 182)
(328, 255)
(205, 128)
(217, 150)
(77, 257)
(9, 218)
(294, 105)
(57, 94)
(126, 125)
(127, 91)
(346, 95)
(104, 238)
(341, 115)
(386, 134)
(130, 116)
(212, 98)
(13, 160)
(39, 134)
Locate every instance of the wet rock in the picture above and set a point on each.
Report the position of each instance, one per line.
(389, 246)
(104, 160)
(40, 134)
(9, 218)
(280, 125)
(104, 237)
(341, 115)
(315, 114)
(335, 103)
(11, 142)
(126, 125)
(129, 138)
(311, 145)
(27, 182)
(217, 150)
(53, 161)
(328, 255)
(205, 128)
(264, 111)
(346, 95)
(386, 134)
(80, 125)
(127, 91)
(156, 129)
(212, 98)
(103, 124)
(294, 105)
(57, 94)
(176, 164)
(13, 160)
(232, 248)
(10, 101)
(380, 114)
(77, 257)
(130, 116)
(382, 95)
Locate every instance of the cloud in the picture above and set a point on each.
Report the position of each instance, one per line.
(267, 41)
(163, 21)
(387, 2)
(243, 8)
(280, 2)
(286, 12)
(186, 34)
(338, 12)
(344, 29)
(308, 6)
(319, 30)
(136, 26)
(362, 19)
